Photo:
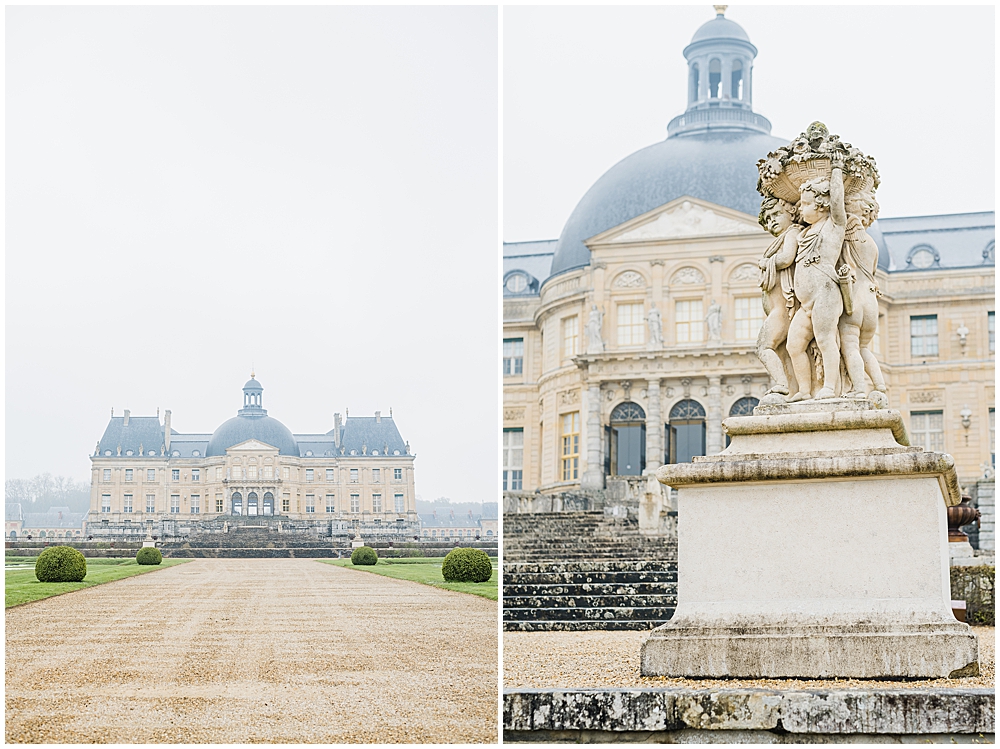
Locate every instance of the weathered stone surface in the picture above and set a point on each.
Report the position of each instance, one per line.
(976, 586)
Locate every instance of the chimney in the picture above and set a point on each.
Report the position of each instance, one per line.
(166, 429)
(336, 429)
(125, 423)
(378, 417)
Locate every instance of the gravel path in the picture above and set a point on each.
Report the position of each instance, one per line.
(611, 659)
(255, 650)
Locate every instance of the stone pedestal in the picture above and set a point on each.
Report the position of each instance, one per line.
(357, 543)
(814, 546)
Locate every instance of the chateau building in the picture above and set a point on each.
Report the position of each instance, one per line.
(630, 338)
(146, 475)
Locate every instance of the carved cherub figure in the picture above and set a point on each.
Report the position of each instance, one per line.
(817, 286)
(857, 328)
(777, 284)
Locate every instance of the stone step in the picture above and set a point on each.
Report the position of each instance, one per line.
(597, 614)
(592, 589)
(613, 565)
(579, 578)
(580, 625)
(589, 602)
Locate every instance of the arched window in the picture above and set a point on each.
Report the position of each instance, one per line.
(13, 535)
(736, 92)
(489, 533)
(268, 503)
(685, 432)
(42, 534)
(742, 407)
(252, 508)
(237, 503)
(625, 443)
(714, 79)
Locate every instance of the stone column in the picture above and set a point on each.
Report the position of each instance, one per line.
(654, 426)
(713, 421)
(593, 472)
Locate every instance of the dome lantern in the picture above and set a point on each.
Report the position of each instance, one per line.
(253, 396)
(720, 72)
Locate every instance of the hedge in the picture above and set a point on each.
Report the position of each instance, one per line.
(467, 566)
(148, 555)
(364, 555)
(60, 564)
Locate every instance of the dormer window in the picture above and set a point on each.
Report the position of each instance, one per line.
(516, 283)
(921, 257)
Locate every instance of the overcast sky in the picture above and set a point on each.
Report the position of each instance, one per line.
(310, 190)
(912, 86)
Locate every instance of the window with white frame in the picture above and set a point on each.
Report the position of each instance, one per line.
(513, 356)
(127, 503)
(923, 335)
(927, 430)
(150, 503)
(106, 476)
(354, 475)
(309, 474)
(749, 317)
(128, 474)
(571, 446)
(331, 504)
(105, 503)
(284, 472)
(175, 503)
(251, 472)
(196, 474)
(991, 330)
(310, 503)
(397, 474)
(330, 474)
(219, 505)
(376, 475)
(513, 457)
(218, 473)
(150, 474)
(175, 474)
(630, 328)
(195, 504)
(689, 321)
(286, 503)
(376, 503)
(400, 503)
(355, 503)
(570, 337)
(268, 472)
(237, 473)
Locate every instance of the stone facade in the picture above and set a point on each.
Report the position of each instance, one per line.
(358, 475)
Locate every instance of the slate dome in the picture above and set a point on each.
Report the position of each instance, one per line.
(720, 27)
(252, 422)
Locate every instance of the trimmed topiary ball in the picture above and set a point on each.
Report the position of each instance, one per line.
(148, 555)
(364, 555)
(466, 566)
(60, 564)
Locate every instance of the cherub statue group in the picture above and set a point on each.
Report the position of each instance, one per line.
(820, 295)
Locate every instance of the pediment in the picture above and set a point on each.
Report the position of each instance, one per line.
(252, 445)
(683, 218)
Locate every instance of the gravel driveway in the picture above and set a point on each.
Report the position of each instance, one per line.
(253, 650)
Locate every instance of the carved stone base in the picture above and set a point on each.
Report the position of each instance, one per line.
(815, 546)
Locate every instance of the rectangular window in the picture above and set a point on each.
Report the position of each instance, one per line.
(513, 455)
(128, 474)
(127, 503)
(150, 474)
(571, 446)
(630, 327)
(355, 503)
(513, 356)
(218, 473)
(150, 503)
(310, 503)
(991, 322)
(286, 503)
(924, 335)
(284, 472)
(268, 472)
(400, 503)
(331, 505)
(309, 474)
(196, 474)
(749, 317)
(175, 474)
(571, 337)
(376, 475)
(927, 430)
(219, 506)
(354, 475)
(689, 321)
(330, 474)
(397, 474)
(106, 476)
(175, 503)
(237, 473)
(105, 503)
(376, 503)
(251, 472)
(195, 504)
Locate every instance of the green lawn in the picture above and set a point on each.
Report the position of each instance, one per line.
(426, 570)
(22, 587)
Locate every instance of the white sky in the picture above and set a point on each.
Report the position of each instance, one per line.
(912, 86)
(314, 190)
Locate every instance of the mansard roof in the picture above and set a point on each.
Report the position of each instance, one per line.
(141, 431)
(373, 433)
(959, 240)
(54, 517)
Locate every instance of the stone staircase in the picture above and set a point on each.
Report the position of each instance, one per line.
(583, 571)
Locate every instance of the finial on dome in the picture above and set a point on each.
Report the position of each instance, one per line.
(720, 10)
(252, 376)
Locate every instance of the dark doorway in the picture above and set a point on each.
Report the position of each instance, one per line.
(626, 438)
(685, 432)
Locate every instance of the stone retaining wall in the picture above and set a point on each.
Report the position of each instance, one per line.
(744, 716)
(975, 586)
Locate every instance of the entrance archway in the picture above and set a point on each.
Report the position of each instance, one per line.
(268, 503)
(252, 508)
(742, 407)
(237, 499)
(625, 451)
(685, 432)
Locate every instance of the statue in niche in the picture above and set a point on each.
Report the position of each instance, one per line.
(655, 322)
(595, 343)
(820, 191)
(714, 321)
